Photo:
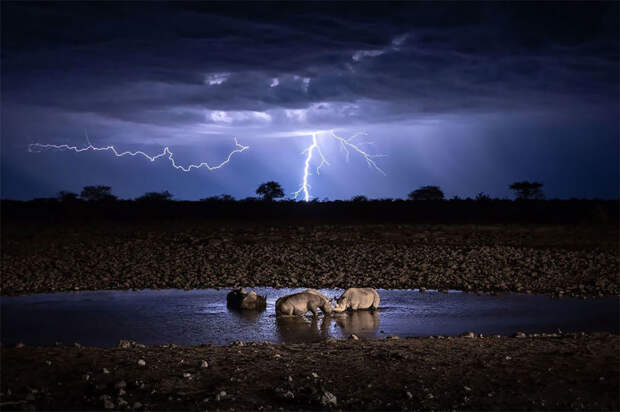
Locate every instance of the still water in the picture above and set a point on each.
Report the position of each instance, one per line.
(102, 318)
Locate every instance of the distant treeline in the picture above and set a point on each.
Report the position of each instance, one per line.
(480, 210)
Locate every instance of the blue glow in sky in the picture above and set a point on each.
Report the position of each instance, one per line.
(470, 97)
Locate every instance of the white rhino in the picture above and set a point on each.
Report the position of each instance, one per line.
(302, 302)
(357, 298)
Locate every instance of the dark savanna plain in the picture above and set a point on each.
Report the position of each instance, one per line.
(570, 251)
(460, 158)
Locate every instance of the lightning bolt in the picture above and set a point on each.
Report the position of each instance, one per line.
(38, 147)
(346, 145)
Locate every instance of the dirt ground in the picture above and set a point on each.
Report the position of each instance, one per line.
(577, 260)
(566, 372)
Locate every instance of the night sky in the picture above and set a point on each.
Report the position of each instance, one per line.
(469, 97)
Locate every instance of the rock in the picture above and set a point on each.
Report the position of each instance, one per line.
(107, 401)
(238, 343)
(204, 364)
(77, 345)
(20, 345)
(409, 395)
(187, 375)
(392, 337)
(120, 384)
(328, 399)
(468, 335)
(137, 405)
(48, 363)
(354, 337)
(141, 362)
(86, 377)
(122, 402)
(105, 371)
(520, 335)
(220, 396)
(30, 397)
(125, 344)
(239, 299)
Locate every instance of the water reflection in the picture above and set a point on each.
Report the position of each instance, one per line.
(246, 315)
(360, 323)
(302, 329)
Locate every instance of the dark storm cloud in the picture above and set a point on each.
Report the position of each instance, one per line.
(133, 60)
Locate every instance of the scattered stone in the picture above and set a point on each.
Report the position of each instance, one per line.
(20, 345)
(77, 345)
(468, 335)
(409, 395)
(120, 384)
(392, 337)
(125, 344)
(520, 335)
(48, 363)
(220, 396)
(141, 362)
(137, 405)
(107, 401)
(105, 371)
(354, 337)
(187, 375)
(204, 364)
(328, 399)
(30, 397)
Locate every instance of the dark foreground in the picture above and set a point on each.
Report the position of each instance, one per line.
(566, 372)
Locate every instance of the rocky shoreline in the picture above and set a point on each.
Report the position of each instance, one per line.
(189, 254)
(525, 372)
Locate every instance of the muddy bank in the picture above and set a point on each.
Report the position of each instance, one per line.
(567, 372)
(561, 260)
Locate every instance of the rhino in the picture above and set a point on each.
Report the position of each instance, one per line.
(302, 302)
(357, 298)
(239, 299)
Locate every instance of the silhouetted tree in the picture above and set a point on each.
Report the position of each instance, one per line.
(97, 193)
(359, 198)
(64, 196)
(527, 190)
(427, 193)
(155, 197)
(270, 190)
(482, 197)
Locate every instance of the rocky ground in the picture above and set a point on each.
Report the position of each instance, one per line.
(561, 260)
(567, 372)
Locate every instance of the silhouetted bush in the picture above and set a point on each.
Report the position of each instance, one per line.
(64, 196)
(155, 197)
(97, 194)
(427, 193)
(359, 198)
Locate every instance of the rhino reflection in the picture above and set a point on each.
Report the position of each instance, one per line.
(359, 323)
(301, 329)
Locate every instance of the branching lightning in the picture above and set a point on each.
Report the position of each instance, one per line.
(346, 145)
(38, 147)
